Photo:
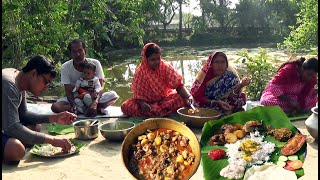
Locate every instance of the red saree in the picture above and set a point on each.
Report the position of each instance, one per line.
(155, 87)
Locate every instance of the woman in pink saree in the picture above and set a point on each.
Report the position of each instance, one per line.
(157, 87)
(292, 88)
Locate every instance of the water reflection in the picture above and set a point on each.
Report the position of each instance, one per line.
(187, 60)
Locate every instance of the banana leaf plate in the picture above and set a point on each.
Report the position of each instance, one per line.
(60, 129)
(272, 115)
(77, 145)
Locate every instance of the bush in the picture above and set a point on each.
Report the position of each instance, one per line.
(260, 68)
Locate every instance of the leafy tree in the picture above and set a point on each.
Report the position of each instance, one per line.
(251, 13)
(304, 34)
(180, 2)
(282, 15)
(187, 20)
(46, 27)
(260, 68)
(216, 12)
(167, 9)
(33, 27)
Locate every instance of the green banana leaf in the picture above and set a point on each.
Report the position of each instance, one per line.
(77, 144)
(60, 129)
(270, 115)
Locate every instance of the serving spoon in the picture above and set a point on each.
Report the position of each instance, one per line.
(93, 122)
(192, 106)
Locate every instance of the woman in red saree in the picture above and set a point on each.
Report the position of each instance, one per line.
(157, 87)
(218, 86)
(292, 88)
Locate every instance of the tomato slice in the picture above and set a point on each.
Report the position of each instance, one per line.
(217, 154)
(288, 167)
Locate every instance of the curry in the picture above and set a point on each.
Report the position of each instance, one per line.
(161, 154)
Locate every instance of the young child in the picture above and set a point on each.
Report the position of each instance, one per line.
(87, 88)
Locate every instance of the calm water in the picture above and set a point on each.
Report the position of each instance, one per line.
(120, 66)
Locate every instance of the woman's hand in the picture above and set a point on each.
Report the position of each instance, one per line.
(145, 107)
(225, 106)
(245, 81)
(63, 117)
(290, 102)
(190, 100)
(294, 105)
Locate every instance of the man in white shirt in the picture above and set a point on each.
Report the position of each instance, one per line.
(71, 71)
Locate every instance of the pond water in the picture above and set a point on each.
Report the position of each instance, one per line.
(120, 66)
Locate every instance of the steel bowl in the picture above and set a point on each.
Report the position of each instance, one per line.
(199, 119)
(156, 123)
(116, 131)
(84, 130)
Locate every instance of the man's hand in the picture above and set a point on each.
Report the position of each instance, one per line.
(94, 95)
(59, 142)
(92, 109)
(74, 109)
(63, 118)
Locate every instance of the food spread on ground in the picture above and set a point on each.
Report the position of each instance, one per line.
(161, 154)
(247, 149)
(47, 150)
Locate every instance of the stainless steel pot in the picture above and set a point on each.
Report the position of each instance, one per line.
(312, 123)
(84, 129)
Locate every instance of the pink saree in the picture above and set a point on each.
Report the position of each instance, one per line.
(288, 82)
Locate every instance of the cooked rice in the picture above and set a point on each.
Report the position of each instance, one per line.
(49, 150)
(259, 157)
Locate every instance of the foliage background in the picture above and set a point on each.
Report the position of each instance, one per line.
(45, 27)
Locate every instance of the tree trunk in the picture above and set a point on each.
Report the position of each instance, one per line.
(180, 21)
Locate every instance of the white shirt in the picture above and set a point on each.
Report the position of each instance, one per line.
(69, 75)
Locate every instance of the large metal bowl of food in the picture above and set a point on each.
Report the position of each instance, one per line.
(199, 118)
(160, 148)
(116, 131)
(86, 129)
